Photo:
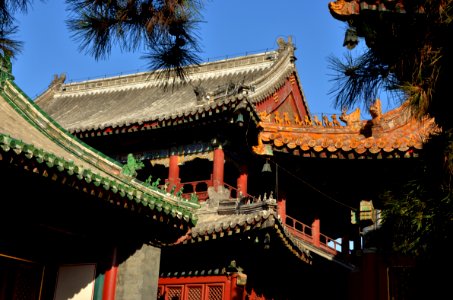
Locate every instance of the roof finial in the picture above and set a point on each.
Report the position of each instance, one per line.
(57, 81)
(286, 45)
(281, 43)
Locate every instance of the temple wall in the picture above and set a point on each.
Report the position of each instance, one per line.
(139, 274)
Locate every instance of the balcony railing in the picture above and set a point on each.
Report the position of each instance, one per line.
(305, 232)
(200, 189)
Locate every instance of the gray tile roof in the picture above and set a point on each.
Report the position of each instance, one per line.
(142, 97)
(226, 218)
(233, 217)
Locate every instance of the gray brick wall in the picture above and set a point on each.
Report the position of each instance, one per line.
(138, 276)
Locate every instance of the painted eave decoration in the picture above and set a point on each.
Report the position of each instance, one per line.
(30, 140)
(394, 134)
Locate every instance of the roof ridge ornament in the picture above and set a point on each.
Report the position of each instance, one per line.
(283, 45)
(200, 92)
(341, 8)
(376, 109)
(57, 81)
(352, 119)
(131, 166)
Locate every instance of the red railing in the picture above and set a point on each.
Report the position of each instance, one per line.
(235, 193)
(200, 188)
(304, 232)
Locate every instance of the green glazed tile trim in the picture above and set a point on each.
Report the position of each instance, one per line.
(182, 210)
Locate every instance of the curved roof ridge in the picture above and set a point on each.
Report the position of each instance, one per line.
(121, 101)
(157, 78)
(277, 74)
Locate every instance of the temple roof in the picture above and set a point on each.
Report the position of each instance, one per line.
(146, 99)
(227, 218)
(213, 225)
(390, 135)
(28, 133)
(344, 9)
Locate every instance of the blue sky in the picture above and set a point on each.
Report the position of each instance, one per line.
(229, 28)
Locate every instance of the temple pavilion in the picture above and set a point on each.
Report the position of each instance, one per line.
(287, 200)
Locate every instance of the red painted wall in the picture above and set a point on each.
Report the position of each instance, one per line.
(221, 287)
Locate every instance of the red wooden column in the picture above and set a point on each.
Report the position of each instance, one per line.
(316, 231)
(110, 278)
(217, 172)
(173, 172)
(281, 206)
(242, 180)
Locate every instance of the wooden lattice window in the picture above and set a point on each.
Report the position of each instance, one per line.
(215, 292)
(174, 292)
(195, 292)
(192, 291)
